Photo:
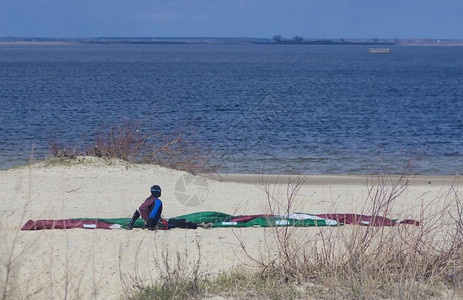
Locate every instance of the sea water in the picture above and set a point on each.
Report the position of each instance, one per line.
(257, 108)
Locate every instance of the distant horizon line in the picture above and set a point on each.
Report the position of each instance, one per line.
(275, 40)
(221, 37)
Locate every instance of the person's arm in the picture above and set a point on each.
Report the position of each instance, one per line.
(155, 214)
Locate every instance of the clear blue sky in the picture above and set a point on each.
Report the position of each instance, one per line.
(233, 18)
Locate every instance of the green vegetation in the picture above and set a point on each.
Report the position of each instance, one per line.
(238, 283)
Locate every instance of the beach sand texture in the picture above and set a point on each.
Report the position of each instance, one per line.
(82, 263)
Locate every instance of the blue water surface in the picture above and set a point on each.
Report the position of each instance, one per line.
(258, 108)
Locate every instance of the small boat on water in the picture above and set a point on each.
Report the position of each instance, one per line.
(379, 50)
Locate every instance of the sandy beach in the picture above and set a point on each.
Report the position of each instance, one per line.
(104, 264)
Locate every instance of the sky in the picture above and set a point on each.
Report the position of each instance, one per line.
(437, 19)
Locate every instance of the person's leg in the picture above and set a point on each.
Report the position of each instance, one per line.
(135, 217)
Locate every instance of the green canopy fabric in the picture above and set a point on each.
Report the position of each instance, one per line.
(222, 220)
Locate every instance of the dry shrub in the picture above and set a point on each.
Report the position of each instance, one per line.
(59, 151)
(364, 262)
(127, 141)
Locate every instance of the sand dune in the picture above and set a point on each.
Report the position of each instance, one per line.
(81, 263)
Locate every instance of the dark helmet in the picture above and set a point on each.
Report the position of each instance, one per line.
(156, 191)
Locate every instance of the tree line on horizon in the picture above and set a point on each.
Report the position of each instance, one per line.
(278, 39)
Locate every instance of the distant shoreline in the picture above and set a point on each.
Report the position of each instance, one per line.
(224, 44)
(38, 43)
(226, 41)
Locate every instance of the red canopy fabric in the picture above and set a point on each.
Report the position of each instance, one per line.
(67, 224)
(357, 219)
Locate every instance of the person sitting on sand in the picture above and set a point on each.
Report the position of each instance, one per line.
(150, 210)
